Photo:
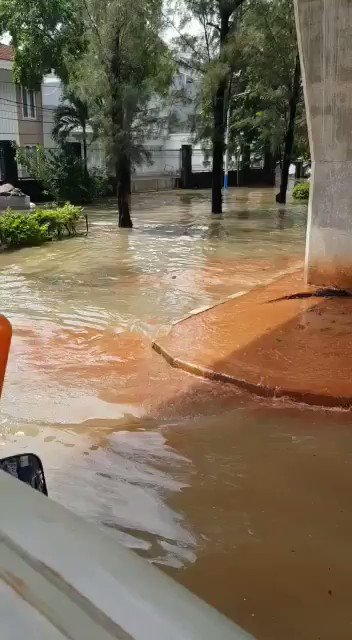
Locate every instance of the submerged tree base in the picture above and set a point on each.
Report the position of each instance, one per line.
(216, 201)
(125, 221)
(281, 198)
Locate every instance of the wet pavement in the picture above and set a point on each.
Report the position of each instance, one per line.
(271, 341)
(245, 501)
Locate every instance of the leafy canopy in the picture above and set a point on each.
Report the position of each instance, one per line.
(124, 73)
(267, 50)
(46, 34)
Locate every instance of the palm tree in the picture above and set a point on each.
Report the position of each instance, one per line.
(70, 114)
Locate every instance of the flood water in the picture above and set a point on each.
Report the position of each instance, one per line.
(245, 502)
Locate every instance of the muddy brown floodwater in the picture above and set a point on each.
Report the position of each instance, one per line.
(246, 502)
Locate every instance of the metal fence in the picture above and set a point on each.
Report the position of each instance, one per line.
(159, 161)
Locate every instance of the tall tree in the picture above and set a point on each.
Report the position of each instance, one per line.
(72, 113)
(45, 35)
(273, 107)
(294, 91)
(110, 53)
(218, 21)
(226, 10)
(125, 66)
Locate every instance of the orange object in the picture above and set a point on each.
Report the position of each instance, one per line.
(5, 341)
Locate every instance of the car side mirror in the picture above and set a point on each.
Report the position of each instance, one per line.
(28, 468)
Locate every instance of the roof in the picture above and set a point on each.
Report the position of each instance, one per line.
(6, 52)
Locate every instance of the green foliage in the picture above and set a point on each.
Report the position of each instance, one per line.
(21, 230)
(266, 51)
(30, 229)
(212, 53)
(46, 35)
(71, 113)
(63, 176)
(100, 184)
(59, 221)
(125, 68)
(301, 191)
(60, 172)
(113, 61)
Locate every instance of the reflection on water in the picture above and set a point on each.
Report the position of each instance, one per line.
(245, 503)
(272, 491)
(123, 279)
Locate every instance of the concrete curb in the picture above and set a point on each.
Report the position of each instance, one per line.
(262, 391)
(310, 398)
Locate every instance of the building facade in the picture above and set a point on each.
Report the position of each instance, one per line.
(27, 118)
(21, 117)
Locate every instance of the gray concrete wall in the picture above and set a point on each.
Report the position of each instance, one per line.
(156, 183)
(325, 39)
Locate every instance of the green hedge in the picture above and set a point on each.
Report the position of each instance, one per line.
(301, 191)
(60, 221)
(34, 228)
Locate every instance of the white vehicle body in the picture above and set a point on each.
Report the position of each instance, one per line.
(62, 578)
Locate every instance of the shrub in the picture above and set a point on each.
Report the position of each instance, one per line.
(60, 172)
(21, 230)
(301, 191)
(29, 229)
(99, 184)
(59, 220)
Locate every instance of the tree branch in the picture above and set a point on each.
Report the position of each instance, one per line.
(182, 36)
(215, 26)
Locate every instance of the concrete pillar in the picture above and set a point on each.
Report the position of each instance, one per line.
(325, 40)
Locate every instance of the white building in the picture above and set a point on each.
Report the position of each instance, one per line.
(165, 149)
(26, 119)
(21, 116)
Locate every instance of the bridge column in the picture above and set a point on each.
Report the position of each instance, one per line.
(324, 30)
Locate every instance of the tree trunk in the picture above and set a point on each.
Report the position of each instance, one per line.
(299, 169)
(219, 126)
(290, 133)
(85, 157)
(218, 151)
(123, 176)
(219, 116)
(123, 162)
(269, 167)
(246, 157)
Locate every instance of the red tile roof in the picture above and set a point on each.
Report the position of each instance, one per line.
(6, 52)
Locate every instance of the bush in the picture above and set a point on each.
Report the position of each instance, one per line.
(301, 191)
(99, 184)
(21, 230)
(60, 172)
(60, 220)
(30, 229)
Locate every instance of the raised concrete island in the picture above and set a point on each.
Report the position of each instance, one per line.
(325, 39)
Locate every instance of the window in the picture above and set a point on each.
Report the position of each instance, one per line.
(28, 103)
